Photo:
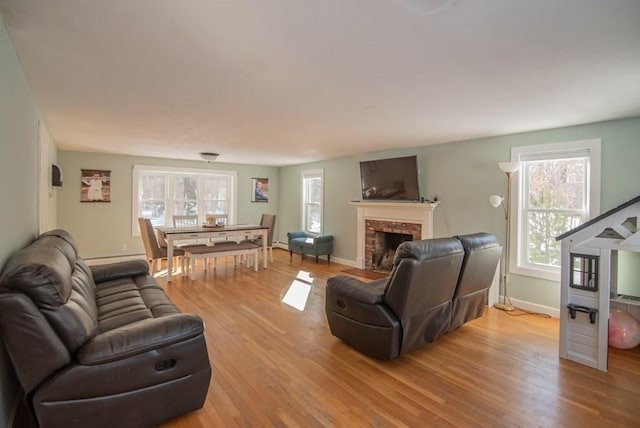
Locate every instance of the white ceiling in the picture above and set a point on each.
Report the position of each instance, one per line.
(281, 82)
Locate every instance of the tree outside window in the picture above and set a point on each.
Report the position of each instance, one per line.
(557, 187)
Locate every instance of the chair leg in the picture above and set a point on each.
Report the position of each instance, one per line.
(192, 274)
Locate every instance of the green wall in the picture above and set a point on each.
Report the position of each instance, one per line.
(19, 142)
(102, 229)
(463, 175)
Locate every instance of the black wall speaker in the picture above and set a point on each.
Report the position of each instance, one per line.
(56, 176)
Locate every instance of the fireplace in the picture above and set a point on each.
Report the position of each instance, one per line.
(382, 239)
(404, 218)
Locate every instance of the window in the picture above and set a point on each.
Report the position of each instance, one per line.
(584, 272)
(159, 193)
(312, 199)
(558, 189)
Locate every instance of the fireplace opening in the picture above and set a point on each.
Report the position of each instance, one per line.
(384, 249)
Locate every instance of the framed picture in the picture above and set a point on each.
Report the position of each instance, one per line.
(95, 186)
(259, 190)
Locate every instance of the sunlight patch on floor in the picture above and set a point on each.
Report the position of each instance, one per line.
(299, 290)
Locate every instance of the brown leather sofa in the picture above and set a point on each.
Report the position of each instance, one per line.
(435, 286)
(101, 346)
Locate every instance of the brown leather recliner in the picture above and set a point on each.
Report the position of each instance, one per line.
(101, 346)
(417, 302)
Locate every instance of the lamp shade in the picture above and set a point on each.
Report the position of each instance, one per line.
(509, 166)
(495, 200)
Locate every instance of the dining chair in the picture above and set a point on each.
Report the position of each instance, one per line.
(268, 220)
(185, 220)
(154, 252)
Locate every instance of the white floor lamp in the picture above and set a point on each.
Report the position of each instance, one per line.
(496, 200)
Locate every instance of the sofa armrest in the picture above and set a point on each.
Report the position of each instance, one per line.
(108, 272)
(294, 235)
(365, 292)
(323, 239)
(139, 337)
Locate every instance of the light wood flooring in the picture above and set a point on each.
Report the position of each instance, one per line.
(276, 366)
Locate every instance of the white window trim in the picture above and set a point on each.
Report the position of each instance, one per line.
(233, 203)
(517, 154)
(312, 173)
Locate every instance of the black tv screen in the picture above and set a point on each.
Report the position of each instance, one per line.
(390, 179)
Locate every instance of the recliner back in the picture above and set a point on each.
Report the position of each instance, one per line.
(421, 286)
(482, 255)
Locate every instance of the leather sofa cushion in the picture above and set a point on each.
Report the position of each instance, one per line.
(127, 300)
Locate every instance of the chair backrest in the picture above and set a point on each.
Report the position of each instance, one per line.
(421, 286)
(185, 220)
(269, 220)
(149, 239)
(481, 257)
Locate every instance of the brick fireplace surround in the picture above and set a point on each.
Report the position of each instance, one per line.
(411, 218)
(373, 226)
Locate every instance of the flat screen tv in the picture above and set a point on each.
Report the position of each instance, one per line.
(390, 179)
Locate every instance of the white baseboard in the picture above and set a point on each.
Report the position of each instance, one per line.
(350, 263)
(534, 307)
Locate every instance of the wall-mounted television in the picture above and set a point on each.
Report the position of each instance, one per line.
(390, 179)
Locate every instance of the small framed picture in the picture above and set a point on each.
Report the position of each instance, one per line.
(95, 186)
(259, 190)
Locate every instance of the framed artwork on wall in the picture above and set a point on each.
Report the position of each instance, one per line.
(95, 185)
(259, 190)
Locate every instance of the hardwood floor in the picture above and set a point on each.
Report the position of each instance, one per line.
(275, 366)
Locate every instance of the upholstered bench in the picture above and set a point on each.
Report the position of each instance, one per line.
(221, 249)
(303, 243)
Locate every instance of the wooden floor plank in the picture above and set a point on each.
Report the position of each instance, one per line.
(276, 366)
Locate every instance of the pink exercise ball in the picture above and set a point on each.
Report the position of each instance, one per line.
(624, 330)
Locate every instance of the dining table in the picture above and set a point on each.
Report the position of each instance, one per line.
(213, 234)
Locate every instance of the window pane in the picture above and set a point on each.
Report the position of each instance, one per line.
(215, 188)
(557, 184)
(152, 187)
(186, 188)
(313, 218)
(314, 190)
(153, 210)
(543, 227)
(185, 208)
(215, 207)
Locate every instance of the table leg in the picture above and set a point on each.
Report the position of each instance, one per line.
(264, 247)
(169, 257)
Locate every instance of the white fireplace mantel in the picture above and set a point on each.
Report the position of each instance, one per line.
(406, 212)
